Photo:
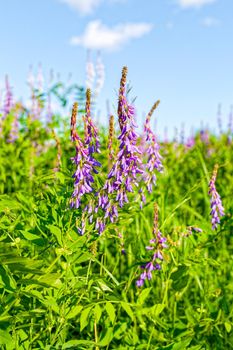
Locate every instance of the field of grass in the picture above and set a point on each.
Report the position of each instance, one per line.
(68, 283)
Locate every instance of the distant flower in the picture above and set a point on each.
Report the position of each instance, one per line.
(100, 75)
(49, 112)
(14, 131)
(8, 102)
(59, 152)
(219, 119)
(157, 245)
(165, 138)
(90, 72)
(123, 251)
(217, 209)
(35, 109)
(230, 121)
(190, 230)
(40, 79)
(204, 136)
(182, 134)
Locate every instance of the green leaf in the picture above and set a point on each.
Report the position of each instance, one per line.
(120, 330)
(56, 232)
(227, 326)
(180, 278)
(106, 339)
(97, 313)
(128, 309)
(143, 295)
(74, 343)
(110, 311)
(32, 237)
(83, 257)
(84, 317)
(182, 345)
(157, 309)
(179, 272)
(74, 312)
(6, 279)
(5, 338)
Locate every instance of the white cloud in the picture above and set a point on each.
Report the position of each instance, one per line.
(210, 22)
(169, 25)
(194, 3)
(99, 36)
(85, 7)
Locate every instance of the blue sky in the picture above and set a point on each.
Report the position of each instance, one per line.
(178, 51)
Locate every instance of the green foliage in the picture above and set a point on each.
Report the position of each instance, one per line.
(59, 290)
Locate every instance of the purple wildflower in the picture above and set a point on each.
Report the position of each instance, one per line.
(122, 178)
(90, 72)
(8, 103)
(110, 138)
(34, 106)
(230, 121)
(204, 136)
(190, 142)
(49, 110)
(217, 209)
(81, 230)
(156, 246)
(14, 132)
(86, 165)
(154, 159)
(219, 119)
(121, 238)
(182, 134)
(91, 131)
(40, 79)
(230, 125)
(196, 229)
(190, 230)
(165, 138)
(100, 75)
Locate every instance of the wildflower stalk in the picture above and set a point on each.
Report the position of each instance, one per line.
(217, 209)
(91, 131)
(157, 245)
(111, 133)
(84, 161)
(59, 152)
(153, 162)
(122, 177)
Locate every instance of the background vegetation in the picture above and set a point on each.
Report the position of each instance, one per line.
(60, 290)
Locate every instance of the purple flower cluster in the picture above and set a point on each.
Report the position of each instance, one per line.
(190, 230)
(154, 158)
(91, 131)
(14, 132)
(86, 165)
(157, 245)
(190, 142)
(8, 103)
(110, 138)
(217, 209)
(204, 136)
(122, 177)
